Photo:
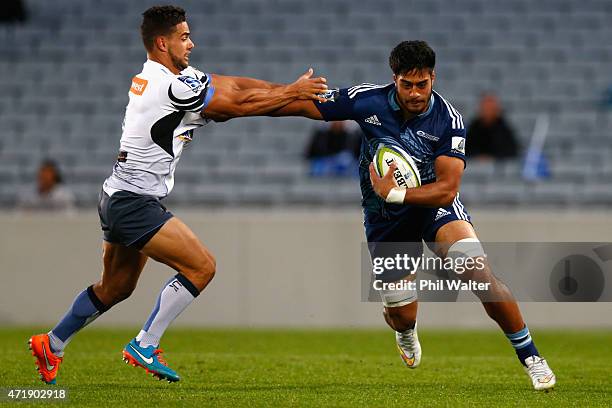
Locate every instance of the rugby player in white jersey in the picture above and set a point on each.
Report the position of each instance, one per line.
(167, 101)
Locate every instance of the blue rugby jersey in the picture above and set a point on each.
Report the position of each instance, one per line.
(439, 131)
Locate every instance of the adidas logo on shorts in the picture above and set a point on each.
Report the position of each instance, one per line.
(441, 213)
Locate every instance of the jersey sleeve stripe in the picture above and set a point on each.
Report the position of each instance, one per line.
(193, 106)
(362, 88)
(197, 104)
(201, 104)
(204, 79)
(456, 116)
(361, 85)
(452, 115)
(459, 117)
(197, 108)
(188, 100)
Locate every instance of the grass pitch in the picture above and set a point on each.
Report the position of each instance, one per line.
(350, 368)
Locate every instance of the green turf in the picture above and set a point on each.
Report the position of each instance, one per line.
(321, 368)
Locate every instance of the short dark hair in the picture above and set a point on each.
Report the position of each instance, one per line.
(412, 55)
(159, 20)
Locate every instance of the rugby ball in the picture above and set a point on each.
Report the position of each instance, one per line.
(407, 174)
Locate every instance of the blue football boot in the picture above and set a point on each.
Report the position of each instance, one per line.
(150, 359)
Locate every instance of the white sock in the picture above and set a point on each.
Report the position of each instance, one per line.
(175, 296)
(147, 339)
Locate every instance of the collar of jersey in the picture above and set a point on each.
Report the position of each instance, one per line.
(157, 65)
(395, 106)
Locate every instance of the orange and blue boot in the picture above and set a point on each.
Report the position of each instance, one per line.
(47, 363)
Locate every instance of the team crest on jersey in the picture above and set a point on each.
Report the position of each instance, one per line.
(186, 137)
(191, 82)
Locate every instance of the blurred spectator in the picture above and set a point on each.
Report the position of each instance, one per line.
(333, 140)
(13, 11)
(489, 135)
(48, 194)
(334, 151)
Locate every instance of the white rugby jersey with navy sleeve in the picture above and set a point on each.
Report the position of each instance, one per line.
(161, 115)
(439, 131)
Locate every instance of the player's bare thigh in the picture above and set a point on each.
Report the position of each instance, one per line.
(452, 232)
(121, 269)
(457, 230)
(178, 247)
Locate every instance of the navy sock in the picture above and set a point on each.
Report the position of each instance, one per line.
(523, 344)
(85, 308)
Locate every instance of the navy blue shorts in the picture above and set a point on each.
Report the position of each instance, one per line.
(413, 224)
(131, 219)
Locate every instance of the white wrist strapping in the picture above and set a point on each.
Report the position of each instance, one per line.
(396, 195)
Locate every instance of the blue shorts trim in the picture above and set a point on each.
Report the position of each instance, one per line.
(131, 219)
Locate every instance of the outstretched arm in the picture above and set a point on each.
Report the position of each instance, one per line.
(440, 193)
(306, 109)
(231, 100)
(243, 83)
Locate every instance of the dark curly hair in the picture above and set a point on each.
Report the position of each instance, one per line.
(412, 55)
(159, 20)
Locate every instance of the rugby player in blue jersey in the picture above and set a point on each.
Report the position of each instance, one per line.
(410, 114)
